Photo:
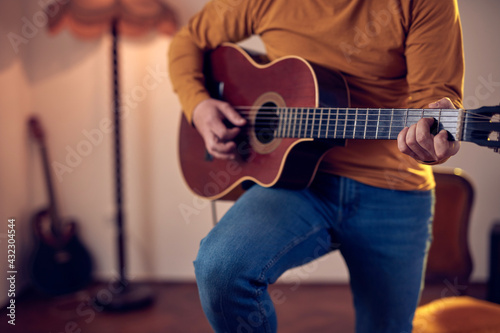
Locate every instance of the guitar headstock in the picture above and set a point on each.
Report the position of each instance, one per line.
(482, 126)
(36, 128)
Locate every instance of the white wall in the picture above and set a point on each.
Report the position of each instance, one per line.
(16, 178)
(482, 50)
(67, 82)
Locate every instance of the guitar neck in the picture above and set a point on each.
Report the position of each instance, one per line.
(361, 123)
(53, 209)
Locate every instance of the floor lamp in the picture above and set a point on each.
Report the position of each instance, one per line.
(130, 17)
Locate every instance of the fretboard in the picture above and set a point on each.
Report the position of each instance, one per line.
(359, 123)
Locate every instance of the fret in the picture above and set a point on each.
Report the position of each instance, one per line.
(315, 121)
(414, 115)
(321, 120)
(345, 124)
(336, 123)
(283, 122)
(280, 123)
(366, 124)
(313, 126)
(314, 118)
(310, 122)
(289, 123)
(308, 126)
(286, 128)
(259, 122)
(327, 124)
(390, 123)
(406, 118)
(378, 124)
(294, 122)
(278, 129)
(301, 122)
(355, 123)
(386, 119)
(439, 119)
(306, 123)
(372, 121)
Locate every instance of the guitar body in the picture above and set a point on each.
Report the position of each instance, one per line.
(233, 76)
(61, 264)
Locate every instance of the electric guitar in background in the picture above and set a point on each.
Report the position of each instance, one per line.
(295, 112)
(61, 264)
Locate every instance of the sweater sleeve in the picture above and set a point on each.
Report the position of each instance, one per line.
(218, 22)
(434, 53)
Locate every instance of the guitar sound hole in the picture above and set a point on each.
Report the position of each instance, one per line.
(266, 122)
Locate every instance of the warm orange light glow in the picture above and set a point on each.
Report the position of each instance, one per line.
(91, 18)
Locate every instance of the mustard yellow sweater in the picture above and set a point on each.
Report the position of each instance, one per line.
(393, 53)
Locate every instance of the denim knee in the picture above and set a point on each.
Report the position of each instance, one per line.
(216, 271)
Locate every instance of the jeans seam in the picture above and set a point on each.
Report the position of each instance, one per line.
(285, 250)
(271, 263)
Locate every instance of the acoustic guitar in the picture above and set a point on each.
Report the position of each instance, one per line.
(60, 264)
(295, 113)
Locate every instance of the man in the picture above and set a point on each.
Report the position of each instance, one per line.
(372, 199)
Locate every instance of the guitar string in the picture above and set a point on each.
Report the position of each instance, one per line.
(284, 117)
(367, 124)
(411, 113)
(345, 112)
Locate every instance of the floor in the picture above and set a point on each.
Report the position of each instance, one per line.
(300, 308)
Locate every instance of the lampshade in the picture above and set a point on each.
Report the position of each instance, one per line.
(91, 18)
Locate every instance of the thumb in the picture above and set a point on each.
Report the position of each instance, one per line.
(231, 114)
(443, 103)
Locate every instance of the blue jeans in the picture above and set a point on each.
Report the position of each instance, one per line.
(383, 236)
